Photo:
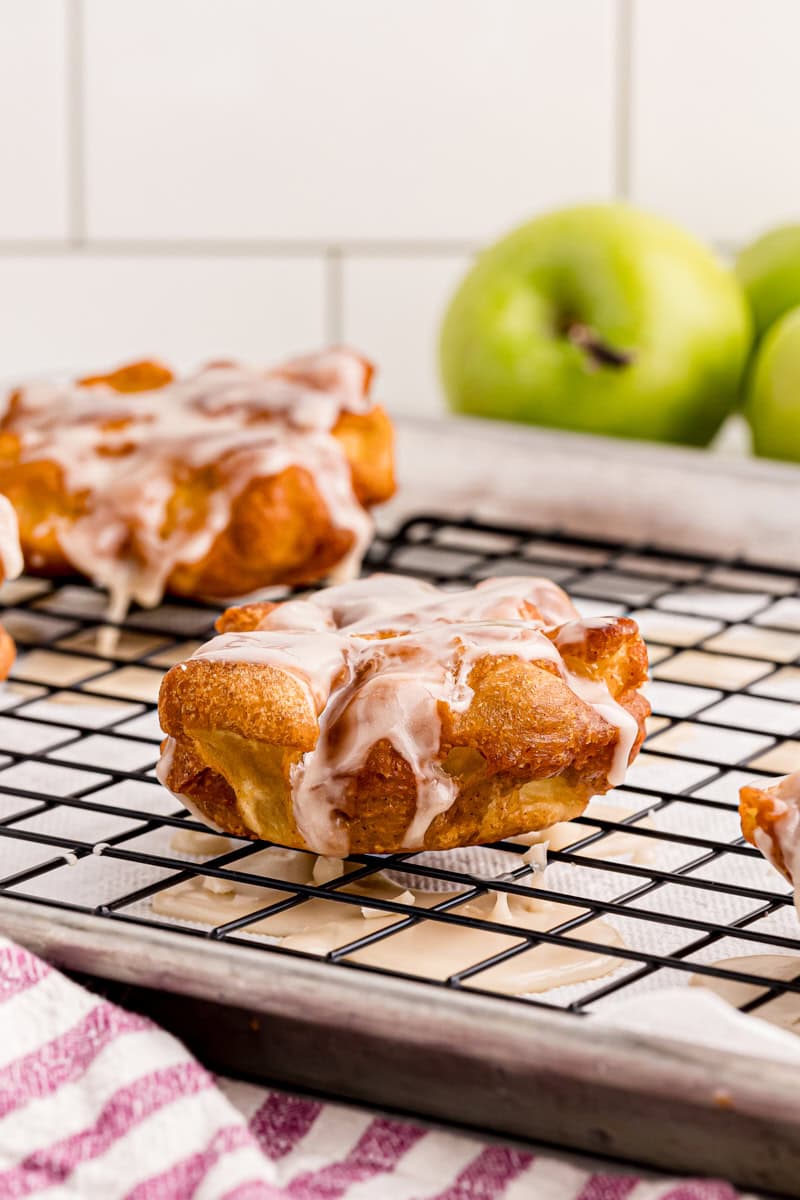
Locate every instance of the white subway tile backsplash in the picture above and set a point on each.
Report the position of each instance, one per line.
(392, 308)
(716, 113)
(394, 137)
(76, 311)
(343, 121)
(33, 123)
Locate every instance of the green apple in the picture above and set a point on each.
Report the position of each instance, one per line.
(773, 393)
(769, 271)
(599, 318)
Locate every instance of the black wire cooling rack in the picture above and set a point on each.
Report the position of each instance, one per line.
(84, 825)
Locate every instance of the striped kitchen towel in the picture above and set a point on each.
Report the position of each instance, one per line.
(99, 1102)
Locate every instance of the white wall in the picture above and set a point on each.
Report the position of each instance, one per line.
(194, 178)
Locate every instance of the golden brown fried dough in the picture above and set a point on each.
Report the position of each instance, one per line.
(387, 715)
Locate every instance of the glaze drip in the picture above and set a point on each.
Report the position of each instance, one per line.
(323, 924)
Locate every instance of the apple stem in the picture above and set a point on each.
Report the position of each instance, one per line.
(599, 352)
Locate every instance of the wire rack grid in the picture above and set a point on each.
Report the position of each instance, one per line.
(85, 826)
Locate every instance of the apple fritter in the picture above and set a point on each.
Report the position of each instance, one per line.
(214, 484)
(386, 715)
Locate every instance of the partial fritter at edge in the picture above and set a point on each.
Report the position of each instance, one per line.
(213, 484)
(10, 568)
(771, 822)
(388, 715)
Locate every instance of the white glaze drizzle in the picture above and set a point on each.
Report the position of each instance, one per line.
(404, 679)
(10, 552)
(364, 688)
(401, 603)
(127, 451)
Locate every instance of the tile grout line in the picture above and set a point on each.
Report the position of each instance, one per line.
(76, 141)
(623, 99)
(234, 247)
(213, 248)
(333, 314)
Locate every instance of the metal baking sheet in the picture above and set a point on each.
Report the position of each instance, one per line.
(90, 829)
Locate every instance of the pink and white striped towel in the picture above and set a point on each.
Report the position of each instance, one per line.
(99, 1102)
